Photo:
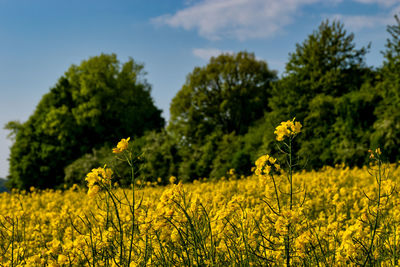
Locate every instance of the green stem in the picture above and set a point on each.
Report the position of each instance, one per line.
(290, 173)
(287, 245)
(92, 245)
(133, 210)
(276, 193)
(12, 245)
(394, 249)
(379, 181)
(121, 231)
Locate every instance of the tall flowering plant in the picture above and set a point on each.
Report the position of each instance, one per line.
(267, 166)
(100, 180)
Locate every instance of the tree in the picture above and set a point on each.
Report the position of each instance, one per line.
(93, 104)
(160, 156)
(327, 62)
(353, 127)
(387, 125)
(323, 69)
(226, 96)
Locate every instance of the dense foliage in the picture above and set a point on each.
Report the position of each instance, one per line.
(221, 119)
(326, 84)
(91, 105)
(209, 116)
(387, 125)
(323, 87)
(217, 104)
(3, 187)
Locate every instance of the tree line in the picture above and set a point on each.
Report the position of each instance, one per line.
(222, 118)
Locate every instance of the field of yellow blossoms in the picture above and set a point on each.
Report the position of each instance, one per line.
(332, 217)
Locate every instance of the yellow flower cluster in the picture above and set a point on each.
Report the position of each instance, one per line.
(220, 223)
(265, 164)
(121, 146)
(98, 177)
(172, 179)
(377, 152)
(288, 128)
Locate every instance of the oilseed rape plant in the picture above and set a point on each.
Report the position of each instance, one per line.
(121, 146)
(287, 129)
(98, 178)
(279, 216)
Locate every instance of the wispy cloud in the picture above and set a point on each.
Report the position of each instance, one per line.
(386, 3)
(359, 22)
(249, 19)
(207, 53)
(237, 19)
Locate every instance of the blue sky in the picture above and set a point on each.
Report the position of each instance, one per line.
(40, 39)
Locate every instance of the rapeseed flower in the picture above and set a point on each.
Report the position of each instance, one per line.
(99, 175)
(377, 152)
(288, 128)
(172, 179)
(70, 227)
(121, 146)
(265, 165)
(92, 192)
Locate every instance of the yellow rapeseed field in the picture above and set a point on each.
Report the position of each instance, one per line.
(336, 216)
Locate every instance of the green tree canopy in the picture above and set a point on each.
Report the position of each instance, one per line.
(323, 69)
(387, 125)
(95, 103)
(228, 94)
(327, 62)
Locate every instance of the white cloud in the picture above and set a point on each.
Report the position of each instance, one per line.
(238, 19)
(386, 3)
(207, 53)
(247, 19)
(359, 22)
